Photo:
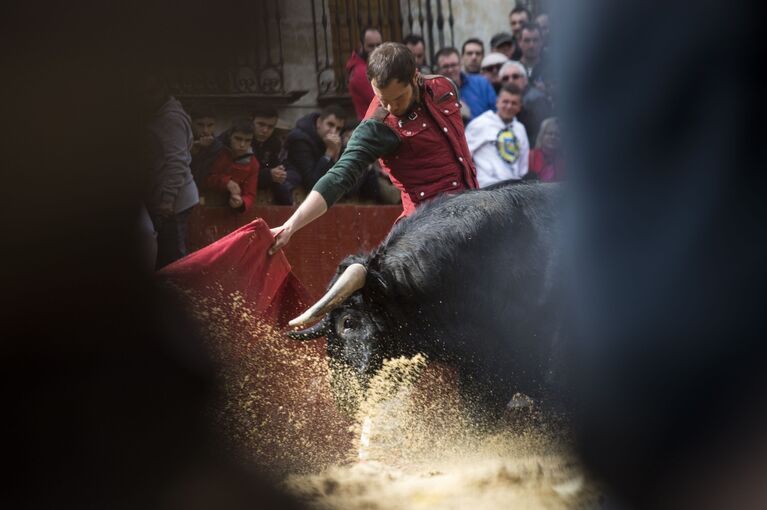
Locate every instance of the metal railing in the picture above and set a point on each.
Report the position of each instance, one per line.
(256, 69)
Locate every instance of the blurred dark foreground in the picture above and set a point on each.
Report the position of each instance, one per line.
(106, 385)
(665, 108)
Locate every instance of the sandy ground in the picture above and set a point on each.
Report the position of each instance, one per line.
(409, 444)
(416, 449)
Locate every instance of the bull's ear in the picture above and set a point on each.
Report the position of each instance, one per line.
(310, 333)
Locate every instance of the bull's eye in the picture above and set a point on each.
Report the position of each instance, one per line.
(349, 323)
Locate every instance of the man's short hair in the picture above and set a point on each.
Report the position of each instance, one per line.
(333, 109)
(446, 52)
(501, 38)
(201, 111)
(518, 9)
(265, 112)
(511, 89)
(366, 30)
(244, 126)
(391, 61)
(530, 27)
(413, 39)
(512, 63)
(473, 40)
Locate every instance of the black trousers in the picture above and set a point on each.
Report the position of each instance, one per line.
(171, 237)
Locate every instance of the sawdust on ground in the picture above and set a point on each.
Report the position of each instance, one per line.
(409, 443)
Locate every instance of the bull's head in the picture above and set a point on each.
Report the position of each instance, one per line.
(354, 330)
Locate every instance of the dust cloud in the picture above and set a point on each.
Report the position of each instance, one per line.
(408, 441)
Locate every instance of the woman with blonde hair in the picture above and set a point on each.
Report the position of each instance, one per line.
(546, 158)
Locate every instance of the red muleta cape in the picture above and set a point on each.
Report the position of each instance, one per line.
(239, 263)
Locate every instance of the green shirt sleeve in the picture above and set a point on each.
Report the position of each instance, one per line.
(370, 140)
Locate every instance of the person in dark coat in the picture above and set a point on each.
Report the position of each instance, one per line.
(269, 151)
(206, 145)
(314, 145)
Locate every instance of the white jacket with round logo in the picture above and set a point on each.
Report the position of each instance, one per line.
(500, 151)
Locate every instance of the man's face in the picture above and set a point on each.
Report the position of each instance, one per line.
(240, 143)
(472, 57)
(396, 97)
(372, 40)
(263, 127)
(513, 74)
(517, 20)
(329, 125)
(418, 52)
(491, 73)
(203, 127)
(508, 105)
(505, 48)
(543, 22)
(530, 44)
(450, 66)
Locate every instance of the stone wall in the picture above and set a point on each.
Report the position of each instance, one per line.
(473, 18)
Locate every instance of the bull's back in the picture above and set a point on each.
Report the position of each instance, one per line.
(480, 267)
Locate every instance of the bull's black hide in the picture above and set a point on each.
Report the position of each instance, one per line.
(468, 280)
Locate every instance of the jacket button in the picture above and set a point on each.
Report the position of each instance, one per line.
(455, 183)
(457, 104)
(408, 133)
(444, 129)
(460, 159)
(421, 193)
(424, 124)
(447, 111)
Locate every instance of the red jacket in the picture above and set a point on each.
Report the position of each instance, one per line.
(244, 174)
(433, 157)
(359, 86)
(546, 169)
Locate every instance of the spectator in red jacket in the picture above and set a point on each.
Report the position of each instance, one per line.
(357, 66)
(546, 158)
(236, 168)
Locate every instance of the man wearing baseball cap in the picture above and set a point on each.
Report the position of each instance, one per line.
(503, 42)
(491, 65)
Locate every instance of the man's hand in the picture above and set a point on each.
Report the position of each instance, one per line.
(205, 141)
(310, 209)
(278, 174)
(281, 238)
(332, 145)
(235, 201)
(233, 188)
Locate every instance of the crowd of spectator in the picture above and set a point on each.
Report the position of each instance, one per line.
(507, 105)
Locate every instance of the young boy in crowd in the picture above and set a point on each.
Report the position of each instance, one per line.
(236, 169)
(206, 147)
(268, 149)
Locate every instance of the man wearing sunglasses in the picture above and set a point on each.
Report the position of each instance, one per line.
(491, 66)
(536, 104)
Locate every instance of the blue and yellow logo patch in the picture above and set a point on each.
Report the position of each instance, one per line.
(508, 146)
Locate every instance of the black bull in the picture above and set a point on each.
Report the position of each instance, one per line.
(468, 280)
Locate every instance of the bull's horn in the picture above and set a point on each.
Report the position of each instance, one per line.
(352, 279)
(312, 332)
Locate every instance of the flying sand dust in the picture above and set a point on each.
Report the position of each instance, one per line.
(410, 442)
